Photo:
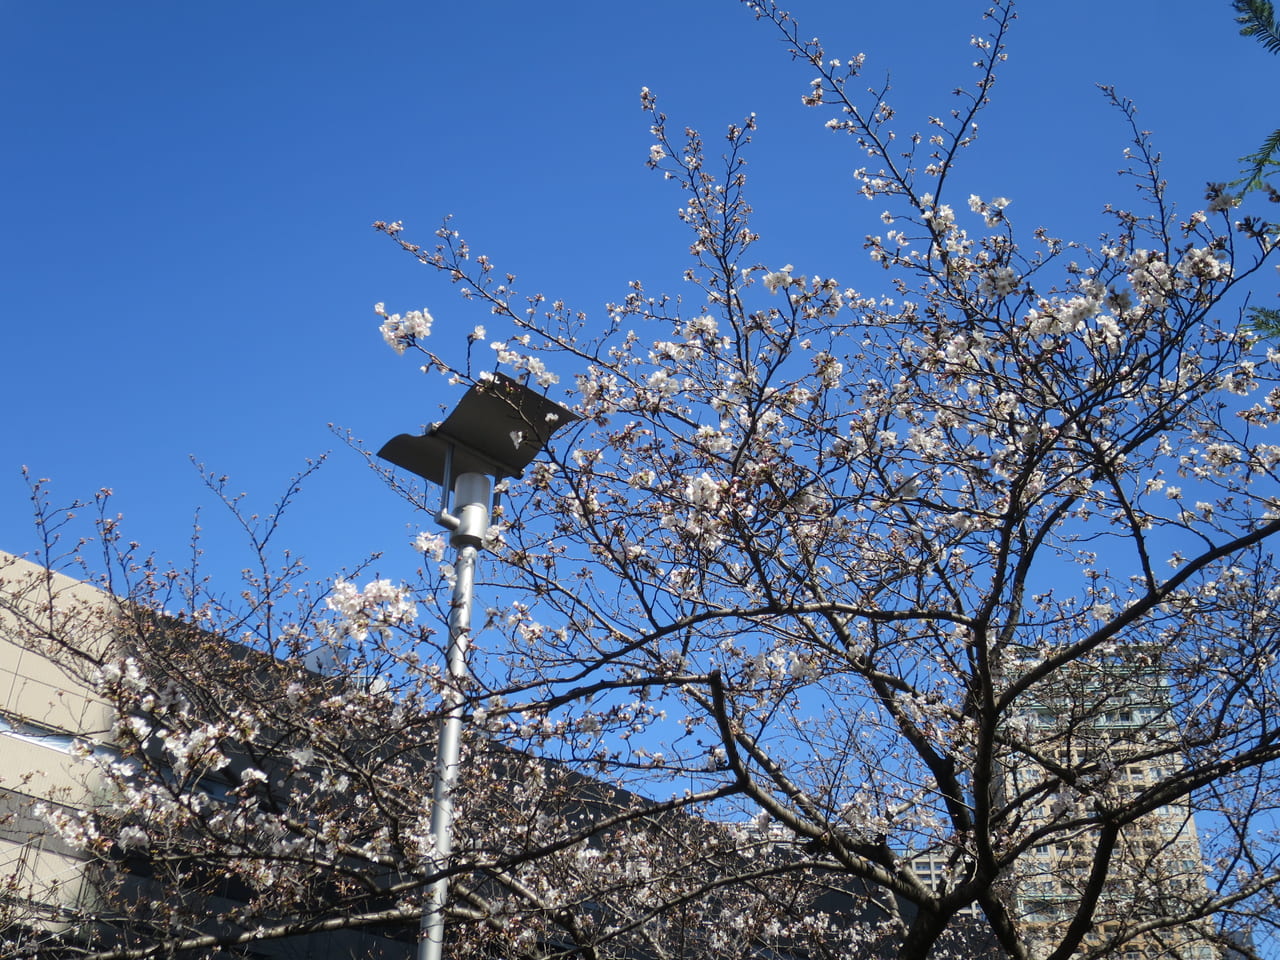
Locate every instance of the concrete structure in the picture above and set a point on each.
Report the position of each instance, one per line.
(46, 706)
(1113, 726)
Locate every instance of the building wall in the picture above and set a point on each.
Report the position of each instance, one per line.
(46, 705)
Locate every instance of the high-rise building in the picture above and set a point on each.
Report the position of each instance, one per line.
(1099, 737)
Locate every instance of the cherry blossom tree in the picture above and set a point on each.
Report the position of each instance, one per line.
(812, 638)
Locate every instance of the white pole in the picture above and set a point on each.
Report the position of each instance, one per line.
(468, 528)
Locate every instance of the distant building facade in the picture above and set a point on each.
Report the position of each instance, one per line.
(1114, 728)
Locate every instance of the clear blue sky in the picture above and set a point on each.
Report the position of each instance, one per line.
(186, 262)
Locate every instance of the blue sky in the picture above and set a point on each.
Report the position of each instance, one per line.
(188, 266)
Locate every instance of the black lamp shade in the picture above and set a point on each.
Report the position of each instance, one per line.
(498, 429)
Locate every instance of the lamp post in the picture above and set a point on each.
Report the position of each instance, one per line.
(496, 431)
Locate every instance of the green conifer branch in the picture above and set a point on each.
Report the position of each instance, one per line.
(1257, 19)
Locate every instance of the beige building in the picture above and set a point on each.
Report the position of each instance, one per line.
(48, 715)
(52, 628)
(1113, 728)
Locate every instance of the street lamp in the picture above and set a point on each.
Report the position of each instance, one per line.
(496, 431)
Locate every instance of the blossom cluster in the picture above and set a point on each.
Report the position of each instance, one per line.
(379, 607)
(402, 332)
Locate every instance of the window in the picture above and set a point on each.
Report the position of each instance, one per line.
(36, 733)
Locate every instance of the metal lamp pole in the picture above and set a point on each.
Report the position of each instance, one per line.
(467, 535)
(496, 431)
